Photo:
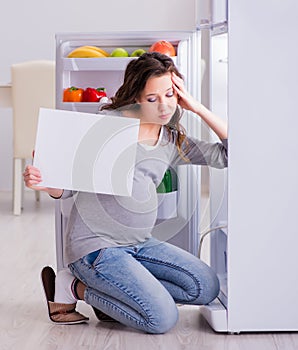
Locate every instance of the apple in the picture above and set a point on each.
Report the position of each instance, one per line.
(164, 47)
(137, 53)
(119, 52)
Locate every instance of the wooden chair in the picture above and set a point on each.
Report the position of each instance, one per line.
(33, 86)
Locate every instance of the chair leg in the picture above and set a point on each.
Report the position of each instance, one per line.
(17, 185)
(37, 196)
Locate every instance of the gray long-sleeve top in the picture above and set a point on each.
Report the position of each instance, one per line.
(101, 220)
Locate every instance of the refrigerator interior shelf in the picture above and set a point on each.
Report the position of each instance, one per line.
(102, 64)
(84, 107)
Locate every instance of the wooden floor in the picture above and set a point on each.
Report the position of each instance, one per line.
(27, 244)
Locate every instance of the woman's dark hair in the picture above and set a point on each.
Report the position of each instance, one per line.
(137, 73)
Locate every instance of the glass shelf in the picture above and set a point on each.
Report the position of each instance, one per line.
(98, 64)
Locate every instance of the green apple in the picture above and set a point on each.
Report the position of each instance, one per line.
(119, 52)
(138, 53)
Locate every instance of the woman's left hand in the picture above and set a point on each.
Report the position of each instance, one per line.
(185, 100)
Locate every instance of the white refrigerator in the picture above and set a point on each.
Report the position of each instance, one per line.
(255, 251)
(253, 204)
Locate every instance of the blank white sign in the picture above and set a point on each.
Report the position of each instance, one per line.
(86, 152)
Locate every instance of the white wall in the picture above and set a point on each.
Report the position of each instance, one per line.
(30, 28)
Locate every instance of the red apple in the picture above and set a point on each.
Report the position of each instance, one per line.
(164, 47)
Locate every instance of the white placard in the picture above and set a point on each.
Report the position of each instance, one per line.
(86, 152)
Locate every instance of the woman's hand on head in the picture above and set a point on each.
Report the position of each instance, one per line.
(32, 178)
(185, 99)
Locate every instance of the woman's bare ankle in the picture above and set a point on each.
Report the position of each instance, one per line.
(80, 290)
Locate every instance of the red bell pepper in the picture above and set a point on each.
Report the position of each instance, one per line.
(93, 95)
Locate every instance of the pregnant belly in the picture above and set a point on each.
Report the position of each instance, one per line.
(131, 212)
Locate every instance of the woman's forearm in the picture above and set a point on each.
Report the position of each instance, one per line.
(218, 125)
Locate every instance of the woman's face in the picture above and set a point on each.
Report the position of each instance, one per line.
(158, 100)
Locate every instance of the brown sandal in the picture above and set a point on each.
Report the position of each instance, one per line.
(58, 313)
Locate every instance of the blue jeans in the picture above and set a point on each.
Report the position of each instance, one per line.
(140, 285)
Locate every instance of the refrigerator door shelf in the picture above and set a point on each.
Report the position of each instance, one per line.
(167, 205)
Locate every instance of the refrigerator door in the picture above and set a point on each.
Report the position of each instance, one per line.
(212, 14)
(212, 23)
(262, 239)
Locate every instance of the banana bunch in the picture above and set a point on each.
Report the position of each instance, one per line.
(87, 52)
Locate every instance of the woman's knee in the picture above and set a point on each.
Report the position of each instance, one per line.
(209, 287)
(163, 320)
(201, 284)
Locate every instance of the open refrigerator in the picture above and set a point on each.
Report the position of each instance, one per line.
(180, 211)
(253, 205)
